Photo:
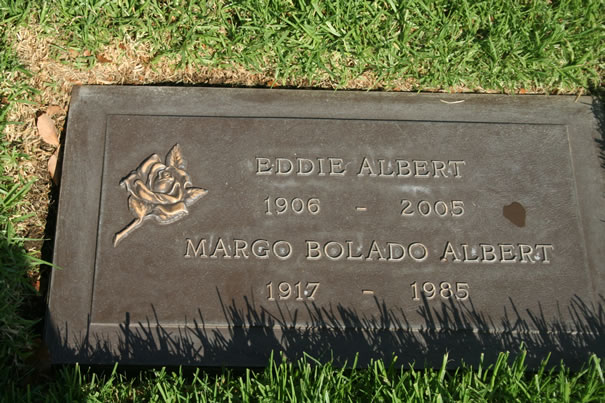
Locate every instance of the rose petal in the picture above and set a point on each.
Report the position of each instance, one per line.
(143, 169)
(142, 192)
(153, 172)
(182, 177)
(164, 186)
(47, 130)
(138, 207)
(169, 213)
(177, 191)
(140, 173)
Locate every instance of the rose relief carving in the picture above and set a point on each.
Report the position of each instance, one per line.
(159, 191)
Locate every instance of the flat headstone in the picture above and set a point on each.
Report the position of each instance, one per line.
(213, 227)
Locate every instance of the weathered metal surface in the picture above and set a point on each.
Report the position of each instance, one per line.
(213, 226)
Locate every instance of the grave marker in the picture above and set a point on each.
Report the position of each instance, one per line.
(212, 226)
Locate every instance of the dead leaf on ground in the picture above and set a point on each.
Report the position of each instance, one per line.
(522, 91)
(101, 58)
(54, 110)
(47, 129)
(87, 53)
(4, 100)
(52, 167)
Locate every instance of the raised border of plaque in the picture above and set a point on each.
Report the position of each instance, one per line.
(160, 190)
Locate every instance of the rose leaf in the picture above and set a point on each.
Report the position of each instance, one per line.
(194, 194)
(175, 157)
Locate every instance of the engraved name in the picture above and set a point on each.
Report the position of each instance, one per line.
(371, 167)
(372, 251)
(500, 253)
(238, 249)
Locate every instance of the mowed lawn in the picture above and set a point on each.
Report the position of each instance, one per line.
(47, 47)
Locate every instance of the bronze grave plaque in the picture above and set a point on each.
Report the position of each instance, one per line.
(212, 227)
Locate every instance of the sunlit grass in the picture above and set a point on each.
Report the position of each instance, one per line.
(433, 44)
(309, 381)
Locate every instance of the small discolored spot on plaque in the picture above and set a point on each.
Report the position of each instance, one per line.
(515, 213)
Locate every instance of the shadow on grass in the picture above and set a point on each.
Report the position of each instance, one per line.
(16, 296)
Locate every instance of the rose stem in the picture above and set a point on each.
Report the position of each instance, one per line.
(129, 228)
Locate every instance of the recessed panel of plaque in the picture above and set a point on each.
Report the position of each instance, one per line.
(215, 227)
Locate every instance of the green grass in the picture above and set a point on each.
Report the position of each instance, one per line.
(440, 44)
(495, 45)
(307, 381)
(15, 331)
